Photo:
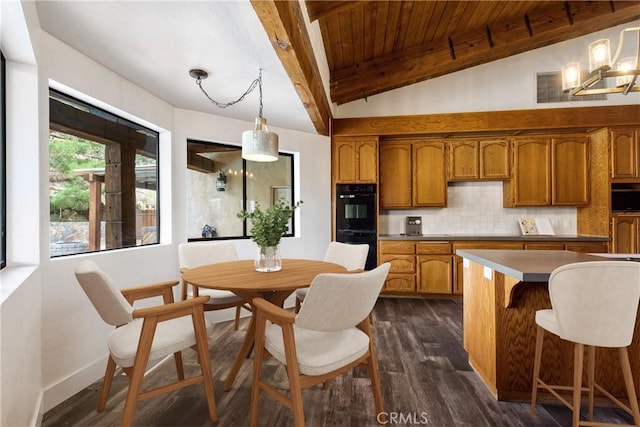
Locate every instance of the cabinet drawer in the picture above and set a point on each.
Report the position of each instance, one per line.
(400, 283)
(587, 247)
(544, 246)
(397, 247)
(487, 245)
(400, 263)
(437, 248)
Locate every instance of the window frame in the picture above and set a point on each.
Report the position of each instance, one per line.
(3, 162)
(245, 201)
(107, 115)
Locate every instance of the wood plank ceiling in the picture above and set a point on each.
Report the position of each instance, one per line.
(375, 46)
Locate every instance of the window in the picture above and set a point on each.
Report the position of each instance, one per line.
(220, 183)
(103, 179)
(3, 169)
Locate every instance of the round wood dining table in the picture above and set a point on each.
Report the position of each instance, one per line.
(241, 278)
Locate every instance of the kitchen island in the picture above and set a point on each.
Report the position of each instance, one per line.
(502, 291)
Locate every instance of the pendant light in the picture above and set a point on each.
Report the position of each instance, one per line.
(258, 144)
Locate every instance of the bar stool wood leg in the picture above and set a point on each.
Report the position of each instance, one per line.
(591, 369)
(628, 381)
(536, 369)
(578, 361)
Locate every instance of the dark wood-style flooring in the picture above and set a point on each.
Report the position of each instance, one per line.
(425, 377)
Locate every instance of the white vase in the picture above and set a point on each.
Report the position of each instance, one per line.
(268, 258)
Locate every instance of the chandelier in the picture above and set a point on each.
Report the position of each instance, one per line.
(258, 144)
(601, 67)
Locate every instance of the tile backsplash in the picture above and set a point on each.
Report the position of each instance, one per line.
(475, 208)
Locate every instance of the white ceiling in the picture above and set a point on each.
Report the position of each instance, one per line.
(154, 44)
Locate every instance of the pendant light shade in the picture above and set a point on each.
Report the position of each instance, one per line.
(260, 145)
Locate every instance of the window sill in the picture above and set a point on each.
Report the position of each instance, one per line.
(12, 277)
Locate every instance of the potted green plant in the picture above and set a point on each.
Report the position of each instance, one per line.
(267, 229)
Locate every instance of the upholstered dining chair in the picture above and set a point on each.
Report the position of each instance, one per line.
(196, 254)
(350, 256)
(147, 334)
(593, 304)
(331, 335)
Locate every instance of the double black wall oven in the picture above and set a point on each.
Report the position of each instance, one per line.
(356, 217)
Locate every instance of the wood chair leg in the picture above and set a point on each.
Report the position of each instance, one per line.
(372, 366)
(236, 325)
(536, 369)
(591, 369)
(106, 384)
(578, 361)
(177, 356)
(136, 374)
(258, 358)
(298, 305)
(628, 381)
(295, 389)
(203, 358)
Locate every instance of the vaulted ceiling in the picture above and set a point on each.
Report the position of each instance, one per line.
(370, 46)
(376, 46)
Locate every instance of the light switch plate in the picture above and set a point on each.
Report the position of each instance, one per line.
(488, 273)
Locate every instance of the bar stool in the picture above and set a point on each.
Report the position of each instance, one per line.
(594, 304)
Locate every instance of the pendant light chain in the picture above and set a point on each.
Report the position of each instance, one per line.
(252, 86)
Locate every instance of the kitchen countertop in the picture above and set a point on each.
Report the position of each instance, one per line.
(489, 237)
(526, 266)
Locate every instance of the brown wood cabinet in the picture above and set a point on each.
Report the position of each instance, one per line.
(434, 267)
(472, 159)
(549, 171)
(355, 159)
(464, 160)
(413, 174)
(530, 184)
(429, 174)
(624, 234)
(625, 153)
(570, 170)
(494, 159)
(402, 274)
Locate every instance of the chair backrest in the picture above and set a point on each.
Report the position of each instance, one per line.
(103, 294)
(337, 301)
(196, 254)
(351, 257)
(596, 302)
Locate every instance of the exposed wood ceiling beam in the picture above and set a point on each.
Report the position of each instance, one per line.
(464, 50)
(320, 8)
(285, 27)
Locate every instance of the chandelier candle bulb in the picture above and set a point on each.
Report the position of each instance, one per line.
(570, 75)
(599, 54)
(626, 65)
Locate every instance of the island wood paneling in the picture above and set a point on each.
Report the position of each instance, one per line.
(507, 368)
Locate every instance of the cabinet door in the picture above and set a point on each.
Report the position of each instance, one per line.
(400, 283)
(429, 174)
(395, 175)
(625, 234)
(355, 159)
(570, 170)
(344, 160)
(531, 184)
(463, 160)
(367, 160)
(624, 153)
(494, 159)
(435, 274)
